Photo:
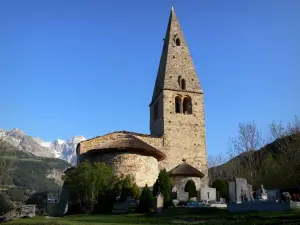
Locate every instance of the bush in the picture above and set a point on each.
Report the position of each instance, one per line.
(87, 182)
(146, 200)
(163, 185)
(190, 187)
(5, 205)
(106, 201)
(95, 188)
(16, 194)
(127, 188)
(222, 187)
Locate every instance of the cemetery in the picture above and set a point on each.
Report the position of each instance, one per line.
(243, 199)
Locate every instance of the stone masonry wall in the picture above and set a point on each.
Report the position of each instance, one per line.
(157, 126)
(143, 168)
(178, 183)
(156, 142)
(184, 135)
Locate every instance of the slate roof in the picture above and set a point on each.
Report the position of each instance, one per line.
(185, 169)
(126, 142)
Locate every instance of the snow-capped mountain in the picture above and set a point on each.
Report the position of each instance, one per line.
(58, 148)
(66, 150)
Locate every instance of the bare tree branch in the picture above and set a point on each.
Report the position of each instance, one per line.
(214, 163)
(288, 144)
(249, 139)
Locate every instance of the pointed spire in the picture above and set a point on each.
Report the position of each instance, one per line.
(175, 63)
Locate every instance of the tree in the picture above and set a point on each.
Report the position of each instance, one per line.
(126, 187)
(88, 182)
(270, 169)
(287, 141)
(146, 200)
(163, 185)
(216, 170)
(190, 187)
(5, 204)
(249, 140)
(7, 153)
(222, 187)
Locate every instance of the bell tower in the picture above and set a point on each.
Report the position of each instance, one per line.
(177, 106)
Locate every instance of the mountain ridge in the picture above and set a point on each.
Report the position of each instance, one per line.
(278, 159)
(61, 149)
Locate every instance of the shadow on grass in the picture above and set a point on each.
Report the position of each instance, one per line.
(188, 215)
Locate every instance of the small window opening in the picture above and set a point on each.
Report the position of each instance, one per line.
(179, 80)
(177, 105)
(177, 42)
(183, 84)
(187, 105)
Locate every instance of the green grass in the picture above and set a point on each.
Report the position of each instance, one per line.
(204, 216)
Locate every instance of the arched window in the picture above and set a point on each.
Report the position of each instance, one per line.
(187, 105)
(178, 104)
(177, 42)
(183, 84)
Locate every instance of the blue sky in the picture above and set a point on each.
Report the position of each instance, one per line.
(88, 67)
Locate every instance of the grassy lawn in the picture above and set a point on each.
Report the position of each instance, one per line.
(170, 216)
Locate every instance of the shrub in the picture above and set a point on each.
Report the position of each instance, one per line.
(222, 187)
(87, 182)
(16, 194)
(136, 192)
(106, 201)
(190, 187)
(146, 200)
(163, 185)
(126, 187)
(5, 205)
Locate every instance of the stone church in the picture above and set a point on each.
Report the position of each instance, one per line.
(177, 141)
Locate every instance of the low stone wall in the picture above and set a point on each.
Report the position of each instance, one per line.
(262, 206)
(143, 168)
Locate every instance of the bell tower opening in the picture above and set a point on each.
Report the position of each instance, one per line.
(187, 105)
(178, 104)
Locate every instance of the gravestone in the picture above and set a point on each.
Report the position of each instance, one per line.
(208, 194)
(240, 191)
(241, 187)
(218, 196)
(159, 202)
(232, 192)
(183, 196)
(274, 195)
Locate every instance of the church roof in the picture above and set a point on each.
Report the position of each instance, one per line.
(185, 169)
(175, 62)
(127, 143)
(122, 132)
